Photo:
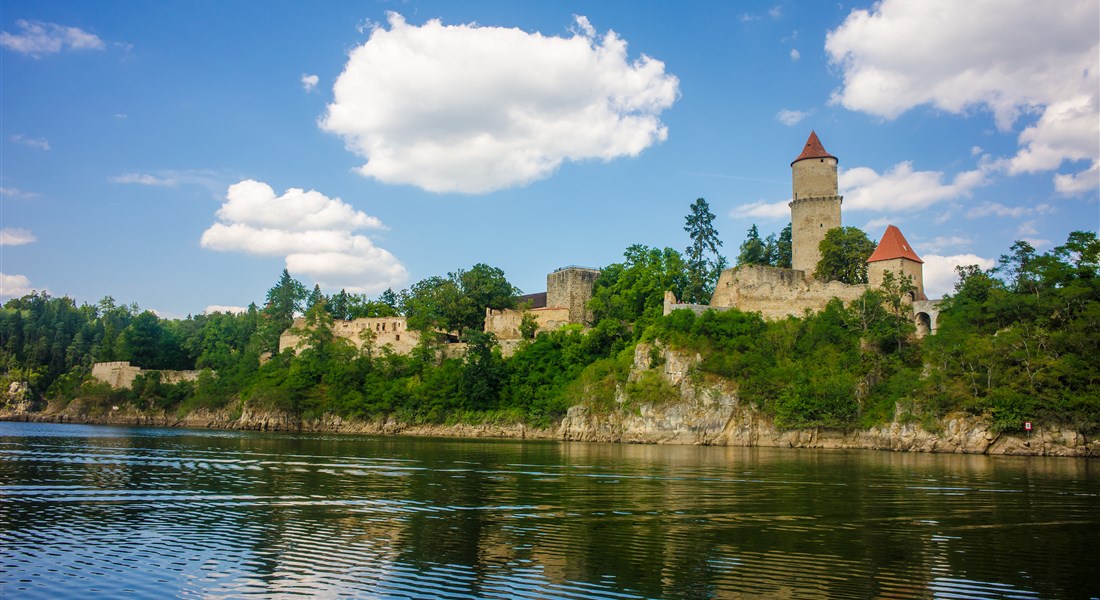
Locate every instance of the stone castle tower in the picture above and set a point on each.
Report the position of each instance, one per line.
(894, 253)
(571, 287)
(815, 203)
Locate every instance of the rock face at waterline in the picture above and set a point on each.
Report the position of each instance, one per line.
(711, 413)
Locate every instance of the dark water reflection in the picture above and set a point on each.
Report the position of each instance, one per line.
(98, 511)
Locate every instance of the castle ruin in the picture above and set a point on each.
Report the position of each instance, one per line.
(777, 293)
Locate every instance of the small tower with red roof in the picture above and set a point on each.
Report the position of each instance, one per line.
(815, 203)
(894, 253)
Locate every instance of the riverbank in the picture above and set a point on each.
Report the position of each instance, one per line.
(702, 416)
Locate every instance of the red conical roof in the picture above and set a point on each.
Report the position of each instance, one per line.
(813, 149)
(893, 245)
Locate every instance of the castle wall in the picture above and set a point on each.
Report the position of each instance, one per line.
(571, 288)
(377, 331)
(778, 293)
(876, 271)
(505, 323)
(121, 375)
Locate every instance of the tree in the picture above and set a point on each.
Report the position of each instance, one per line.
(457, 302)
(844, 254)
(633, 291)
(704, 263)
(754, 251)
(283, 301)
(315, 297)
(783, 248)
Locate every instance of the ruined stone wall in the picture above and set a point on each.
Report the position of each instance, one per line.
(903, 266)
(671, 304)
(571, 288)
(777, 293)
(391, 332)
(505, 323)
(121, 375)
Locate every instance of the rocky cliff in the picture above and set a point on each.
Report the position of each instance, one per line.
(711, 413)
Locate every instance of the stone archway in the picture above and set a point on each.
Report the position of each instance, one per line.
(924, 323)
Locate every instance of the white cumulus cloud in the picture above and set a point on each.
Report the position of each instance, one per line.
(472, 109)
(1012, 57)
(795, 54)
(309, 82)
(316, 235)
(143, 179)
(939, 271)
(10, 236)
(903, 189)
(14, 286)
(38, 39)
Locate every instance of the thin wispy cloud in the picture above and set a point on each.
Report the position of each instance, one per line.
(39, 143)
(37, 39)
(791, 117)
(309, 82)
(143, 179)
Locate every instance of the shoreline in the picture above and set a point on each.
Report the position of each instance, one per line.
(740, 427)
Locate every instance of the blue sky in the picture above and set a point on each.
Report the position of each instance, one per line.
(180, 154)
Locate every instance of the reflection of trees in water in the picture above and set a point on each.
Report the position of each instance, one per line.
(330, 514)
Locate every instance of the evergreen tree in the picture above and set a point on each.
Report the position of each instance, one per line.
(783, 248)
(316, 296)
(754, 251)
(283, 301)
(704, 263)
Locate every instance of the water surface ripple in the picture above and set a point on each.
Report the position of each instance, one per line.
(126, 512)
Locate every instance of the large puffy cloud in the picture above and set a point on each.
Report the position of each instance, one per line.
(940, 275)
(1009, 56)
(38, 39)
(14, 286)
(314, 233)
(472, 109)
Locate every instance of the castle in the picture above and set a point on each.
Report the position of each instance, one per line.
(565, 301)
(774, 292)
(777, 293)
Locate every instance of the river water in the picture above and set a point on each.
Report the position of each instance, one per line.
(112, 512)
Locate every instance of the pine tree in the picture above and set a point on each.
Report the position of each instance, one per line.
(704, 263)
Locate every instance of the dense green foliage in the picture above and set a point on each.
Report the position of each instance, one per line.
(844, 254)
(1018, 342)
(632, 292)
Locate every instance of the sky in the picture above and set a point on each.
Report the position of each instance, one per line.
(179, 155)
